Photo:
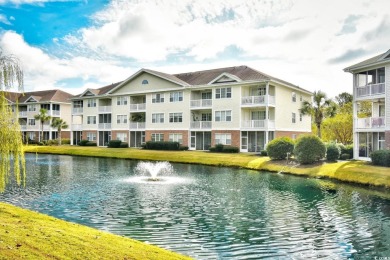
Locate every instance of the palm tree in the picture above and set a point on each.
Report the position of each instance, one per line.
(43, 117)
(320, 108)
(59, 124)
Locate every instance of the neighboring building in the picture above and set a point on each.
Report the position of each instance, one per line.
(371, 83)
(27, 105)
(236, 106)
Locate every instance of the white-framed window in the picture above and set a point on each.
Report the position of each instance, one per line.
(158, 118)
(78, 104)
(294, 97)
(121, 101)
(31, 108)
(145, 82)
(223, 116)
(300, 117)
(31, 121)
(91, 136)
(207, 95)
(91, 102)
(176, 138)
(122, 137)
(31, 135)
(91, 120)
(158, 98)
(225, 139)
(381, 141)
(175, 117)
(121, 119)
(223, 93)
(293, 118)
(157, 137)
(258, 91)
(300, 98)
(206, 117)
(176, 96)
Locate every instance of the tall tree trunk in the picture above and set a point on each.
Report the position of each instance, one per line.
(318, 130)
(59, 136)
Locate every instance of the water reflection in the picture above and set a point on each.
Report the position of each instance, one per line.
(215, 213)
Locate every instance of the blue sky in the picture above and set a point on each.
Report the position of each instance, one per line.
(74, 45)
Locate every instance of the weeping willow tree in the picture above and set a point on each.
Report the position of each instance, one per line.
(11, 143)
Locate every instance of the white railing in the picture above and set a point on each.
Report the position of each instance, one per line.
(77, 110)
(137, 125)
(137, 107)
(23, 127)
(22, 113)
(201, 103)
(370, 122)
(104, 126)
(55, 112)
(105, 109)
(258, 100)
(258, 124)
(77, 127)
(200, 125)
(371, 90)
(47, 127)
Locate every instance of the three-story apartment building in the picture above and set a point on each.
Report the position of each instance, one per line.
(28, 104)
(371, 88)
(236, 106)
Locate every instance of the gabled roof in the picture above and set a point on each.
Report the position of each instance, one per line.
(100, 91)
(378, 59)
(54, 95)
(225, 78)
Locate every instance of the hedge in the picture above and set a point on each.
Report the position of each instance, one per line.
(309, 149)
(114, 144)
(381, 158)
(220, 148)
(170, 146)
(332, 152)
(278, 148)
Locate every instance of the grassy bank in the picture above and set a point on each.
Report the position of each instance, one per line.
(348, 171)
(28, 235)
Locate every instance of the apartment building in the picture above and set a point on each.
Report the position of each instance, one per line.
(28, 104)
(371, 85)
(236, 106)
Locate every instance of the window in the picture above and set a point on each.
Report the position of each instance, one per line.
(223, 116)
(78, 104)
(31, 135)
(158, 98)
(121, 119)
(258, 115)
(176, 96)
(293, 118)
(55, 107)
(91, 136)
(300, 117)
(31, 121)
(381, 141)
(175, 117)
(145, 82)
(91, 103)
(225, 139)
(207, 95)
(294, 97)
(176, 138)
(206, 117)
(258, 91)
(31, 108)
(223, 93)
(300, 98)
(157, 137)
(158, 118)
(121, 136)
(121, 101)
(91, 120)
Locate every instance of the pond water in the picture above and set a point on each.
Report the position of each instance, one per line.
(210, 212)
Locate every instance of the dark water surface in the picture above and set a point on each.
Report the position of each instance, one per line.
(211, 213)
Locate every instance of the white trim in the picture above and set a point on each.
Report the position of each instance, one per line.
(225, 74)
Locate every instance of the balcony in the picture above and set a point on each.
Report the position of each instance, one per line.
(102, 126)
(55, 113)
(371, 90)
(201, 103)
(137, 125)
(77, 127)
(258, 100)
(138, 107)
(22, 113)
(23, 127)
(77, 110)
(258, 124)
(370, 123)
(104, 109)
(200, 125)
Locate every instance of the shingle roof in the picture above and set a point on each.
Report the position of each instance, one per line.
(368, 62)
(54, 95)
(102, 90)
(167, 76)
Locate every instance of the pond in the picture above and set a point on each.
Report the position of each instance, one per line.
(210, 212)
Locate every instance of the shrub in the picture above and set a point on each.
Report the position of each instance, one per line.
(309, 149)
(347, 149)
(332, 152)
(170, 146)
(124, 145)
(219, 147)
(183, 148)
(263, 153)
(83, 142)
(52, 142)
(114, 144)
(345, 156)
(91, 143)
(278, 148)
(230, 149)
(65, 141)
(381, 158)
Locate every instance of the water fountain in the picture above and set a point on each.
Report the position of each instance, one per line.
(153, 169)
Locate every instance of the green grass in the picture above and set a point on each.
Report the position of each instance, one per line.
(348, 171)
(26, 234)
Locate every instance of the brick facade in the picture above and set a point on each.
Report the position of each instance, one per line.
(148, 135)
(84, 135)
(235, 136)
(115, 132)
(387, 140)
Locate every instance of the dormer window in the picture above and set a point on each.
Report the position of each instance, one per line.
(145, 82)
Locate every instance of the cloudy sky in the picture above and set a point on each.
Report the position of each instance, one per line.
(79, 44)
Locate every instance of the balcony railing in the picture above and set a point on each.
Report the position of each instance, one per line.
(370, 122)
(201, 103)
(77, 127)
(137, 107)
(371, 90)
(22, 113)
(23, 127)
(200, 125)
(55, 113)
(104, 109)
(137, 125)
(104, 126)
(77, 110)
(258, 100)
(258, 124)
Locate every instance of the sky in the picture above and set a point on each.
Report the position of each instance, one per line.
(78, 44)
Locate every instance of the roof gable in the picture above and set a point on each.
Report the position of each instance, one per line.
(32, 99)
(87, 93)
(385, 56)
(225, 78)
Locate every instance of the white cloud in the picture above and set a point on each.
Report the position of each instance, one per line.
(20, 2)
(4, 19)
